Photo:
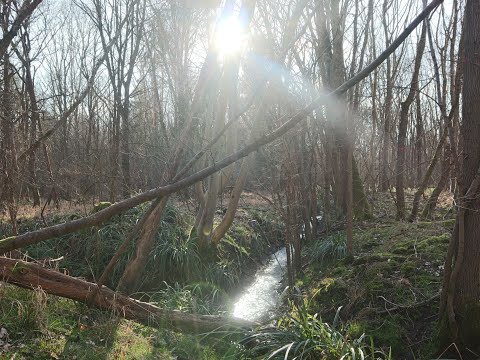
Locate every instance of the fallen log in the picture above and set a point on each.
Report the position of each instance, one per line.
(32, 276)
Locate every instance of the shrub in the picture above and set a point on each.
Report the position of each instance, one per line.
(334, 247)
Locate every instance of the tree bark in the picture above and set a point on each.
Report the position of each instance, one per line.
(402, 128)
(462, 287)
(130, 280)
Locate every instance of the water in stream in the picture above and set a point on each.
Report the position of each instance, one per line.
(261, 296)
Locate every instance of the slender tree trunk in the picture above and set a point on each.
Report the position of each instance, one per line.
(384, 161)
(8, 153)
(350, 200)
(419, 140)
(446, 131)
(32, 166)
(227, 220)
(125, 144)
(450, 154)
(35, 115)
(402, 128)
(432, 200)
(114, 158)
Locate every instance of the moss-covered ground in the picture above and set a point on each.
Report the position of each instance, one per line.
(390, 289)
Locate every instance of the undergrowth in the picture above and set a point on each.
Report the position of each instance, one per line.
(177, 277)
(388, 293)
(390, 289)
(49, 327)
(301, 335)
(175, 257)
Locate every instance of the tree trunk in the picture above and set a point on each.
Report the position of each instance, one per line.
(35, 114)
(125, 144)
(228, 87)
(461, 288)
(432, 200)
(114, 158)
(130, 280)
(361, 207)
(227, 220)
(448, 129)
(402, 128)
(384, 161)
(419, 133)
(9, 157)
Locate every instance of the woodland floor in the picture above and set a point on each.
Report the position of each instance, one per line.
(389, 291)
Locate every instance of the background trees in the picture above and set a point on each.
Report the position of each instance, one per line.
(153, 58)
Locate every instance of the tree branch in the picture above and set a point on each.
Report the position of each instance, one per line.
(25, 11)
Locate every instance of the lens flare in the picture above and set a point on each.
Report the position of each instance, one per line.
(230, 36)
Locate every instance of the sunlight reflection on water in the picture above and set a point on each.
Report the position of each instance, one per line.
(261, 296)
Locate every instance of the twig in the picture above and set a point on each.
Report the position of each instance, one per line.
(409, 306)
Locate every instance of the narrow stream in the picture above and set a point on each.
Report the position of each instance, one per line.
(262, 295)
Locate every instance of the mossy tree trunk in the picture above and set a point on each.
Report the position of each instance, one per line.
(361, 206)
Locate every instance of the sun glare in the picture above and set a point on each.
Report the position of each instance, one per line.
(230, 36)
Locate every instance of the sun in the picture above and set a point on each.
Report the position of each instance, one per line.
(230, 36)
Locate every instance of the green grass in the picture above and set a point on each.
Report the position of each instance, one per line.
(396, 266)
(301, 335)
(331, 248)
(49, 327)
